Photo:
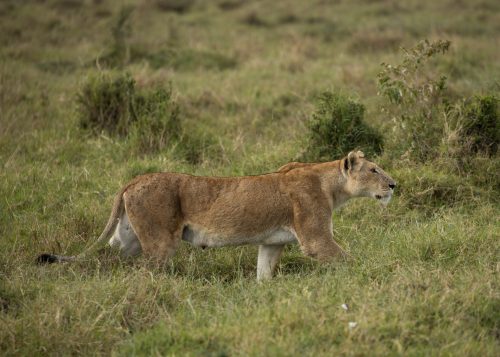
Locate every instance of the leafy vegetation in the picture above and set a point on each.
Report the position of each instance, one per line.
(107, 104)
(426, 116)
(337, 126)
(480, 131)
(111, 103)
(93, 93)
(417, 95)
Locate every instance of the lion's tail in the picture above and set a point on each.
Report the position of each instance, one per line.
(117, 211)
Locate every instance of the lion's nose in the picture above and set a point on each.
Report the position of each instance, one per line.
(392, 185)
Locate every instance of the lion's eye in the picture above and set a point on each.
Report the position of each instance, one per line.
(374, 170)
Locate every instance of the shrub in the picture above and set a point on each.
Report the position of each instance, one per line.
(148, 119)
(471, 136)
(415, 96)
(111, 103)
(480, 123)
(106, 103)
(428, 124)
(197, 146)
(337, 126)
(158, 122)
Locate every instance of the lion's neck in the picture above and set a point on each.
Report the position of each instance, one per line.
(334, 185)
(340, 197)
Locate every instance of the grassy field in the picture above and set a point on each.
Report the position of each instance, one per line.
(245, 76)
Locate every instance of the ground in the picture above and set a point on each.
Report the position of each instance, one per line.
(424, 279)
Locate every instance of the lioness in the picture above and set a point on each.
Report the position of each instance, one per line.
(154, 212)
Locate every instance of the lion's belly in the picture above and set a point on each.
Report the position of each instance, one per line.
(200, 237)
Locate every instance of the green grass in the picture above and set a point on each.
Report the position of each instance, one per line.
(246, 75)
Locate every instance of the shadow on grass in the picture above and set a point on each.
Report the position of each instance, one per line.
(195, 264)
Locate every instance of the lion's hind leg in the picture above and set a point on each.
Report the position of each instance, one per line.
(161, 244)
(158, 241)
(125, 238)
(155, 214)
(158, 237)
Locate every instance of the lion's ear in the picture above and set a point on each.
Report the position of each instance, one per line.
(352, 160)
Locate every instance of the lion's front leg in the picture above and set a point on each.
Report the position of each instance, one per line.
(314, 233)
(269, 256)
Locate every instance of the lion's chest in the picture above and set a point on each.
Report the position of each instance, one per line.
(200, 237)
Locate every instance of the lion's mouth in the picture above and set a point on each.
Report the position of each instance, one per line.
(384, 199)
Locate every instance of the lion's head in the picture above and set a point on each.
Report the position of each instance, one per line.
(366, 179)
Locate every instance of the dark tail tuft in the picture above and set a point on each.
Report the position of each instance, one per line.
(46, 259)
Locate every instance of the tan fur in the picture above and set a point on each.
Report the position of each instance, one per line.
(270, 210)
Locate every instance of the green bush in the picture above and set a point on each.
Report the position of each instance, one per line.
(471, 140)
(480, 132)
(416, 95)
(427, 121)
(149, 120)
(197, 146)
(158, 122)
(111, 103)
(106, 103)
(337, 126)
